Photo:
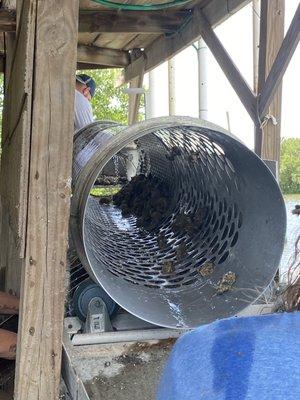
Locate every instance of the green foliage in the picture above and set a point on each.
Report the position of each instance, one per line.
(109, 102)
(290, 166)
(105, 190)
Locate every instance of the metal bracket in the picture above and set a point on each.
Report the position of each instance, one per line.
(97, 320)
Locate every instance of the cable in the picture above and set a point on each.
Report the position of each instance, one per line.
(141, 7)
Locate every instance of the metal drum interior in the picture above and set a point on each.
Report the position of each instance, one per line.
(242, 231)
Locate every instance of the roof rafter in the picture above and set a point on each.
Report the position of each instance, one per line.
(102, 56)
(104, 21)
(166, 47)
(131, 21)
(7, 20)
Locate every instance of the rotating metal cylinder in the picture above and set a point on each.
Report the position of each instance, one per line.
(241, 234)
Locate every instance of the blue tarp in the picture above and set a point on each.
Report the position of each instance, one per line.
(253, 358)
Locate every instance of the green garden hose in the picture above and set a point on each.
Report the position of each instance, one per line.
(141, 7)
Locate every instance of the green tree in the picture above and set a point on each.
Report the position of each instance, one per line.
(290, 165)
(109, 102)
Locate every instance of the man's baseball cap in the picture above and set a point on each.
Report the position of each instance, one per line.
(88, 81)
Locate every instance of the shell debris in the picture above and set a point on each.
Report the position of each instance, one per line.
(226, 283)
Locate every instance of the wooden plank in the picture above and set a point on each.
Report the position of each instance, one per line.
(1, 42)
(113, 41)
(7, 20)
(131, 21)
(2, 63)
(51, 134)
(263, 28)
(267, 135)
(262, 51)
(9, 4)
(87, 38)
(271, 133)
(134, 100)
(82, 66)
(283, 53)
(10, 263)
(10, 43)
(102, 56)
(90, 21)
(90, 5)
(139, 41)
(15, 147)
(166, 47)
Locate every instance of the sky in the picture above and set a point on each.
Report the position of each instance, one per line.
(236, 36)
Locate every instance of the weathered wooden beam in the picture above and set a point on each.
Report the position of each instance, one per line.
(7, 20)
(82, 66)
(156, 22)
(285, 53)
(261, 70)
(232, 73)
(166, 47)
(267, 137)
(9, 4)
(91, 21)
(135, 100)
(51, 132)
(2, 63)
(15, 142)
(131, 21)
(13, 163)
(102, 56)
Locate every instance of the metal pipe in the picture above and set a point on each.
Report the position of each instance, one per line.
(256, 29)
(125, 336)
(151, 95)
(202, 79)
(171, 86)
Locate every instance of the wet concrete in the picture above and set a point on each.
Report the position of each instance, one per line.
(140, 367)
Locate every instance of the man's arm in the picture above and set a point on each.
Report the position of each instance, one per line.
(9, 304)
(8, 344)
(83, 115)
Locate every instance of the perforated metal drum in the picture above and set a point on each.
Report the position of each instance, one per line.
(242, 231)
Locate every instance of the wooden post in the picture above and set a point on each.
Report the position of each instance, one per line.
(40, 101)
(15, 147)
(6, 275)
(267, 143)
(135, 99)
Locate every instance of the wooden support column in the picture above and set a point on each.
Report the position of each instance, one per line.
(267, 139)
(15, 147)
(135, 99)
(43, 83)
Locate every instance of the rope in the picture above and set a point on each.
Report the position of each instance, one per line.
(266, 120)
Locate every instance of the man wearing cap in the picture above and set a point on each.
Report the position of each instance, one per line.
(84, 92)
